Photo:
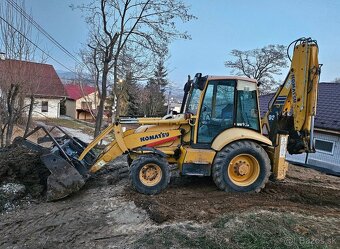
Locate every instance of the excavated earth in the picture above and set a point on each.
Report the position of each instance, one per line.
(23, 168)
(190, 213)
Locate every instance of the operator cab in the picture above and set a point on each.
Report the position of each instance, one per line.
(219, 103)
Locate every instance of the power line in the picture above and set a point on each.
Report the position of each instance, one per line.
(30, 41)
(43, 31)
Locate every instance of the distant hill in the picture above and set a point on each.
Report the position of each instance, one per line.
(69, 77)
(66, 75)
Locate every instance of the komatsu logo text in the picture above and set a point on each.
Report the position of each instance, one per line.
(156, 136)
(293, 88)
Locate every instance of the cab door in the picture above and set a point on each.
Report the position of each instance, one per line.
(217, 111)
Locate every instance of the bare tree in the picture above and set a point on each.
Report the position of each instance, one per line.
(102, 55)
(83, 82)
(145, 25)
(14, 32)
(260, 64)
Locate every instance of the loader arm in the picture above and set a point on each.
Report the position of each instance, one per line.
(293, 107)
(129, 140)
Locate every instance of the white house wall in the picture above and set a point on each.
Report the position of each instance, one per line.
(53, 107)
(71, 108)
(321, 159)
(93, 98)
(73, 105)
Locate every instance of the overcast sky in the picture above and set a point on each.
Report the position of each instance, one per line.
(222, 25)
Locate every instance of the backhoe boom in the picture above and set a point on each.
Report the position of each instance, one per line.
(293, 107)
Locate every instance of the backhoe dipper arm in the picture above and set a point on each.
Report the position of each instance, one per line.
(293, 107)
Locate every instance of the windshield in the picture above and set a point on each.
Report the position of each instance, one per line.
(193, 101)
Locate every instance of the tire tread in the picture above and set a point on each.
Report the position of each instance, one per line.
(227, 153)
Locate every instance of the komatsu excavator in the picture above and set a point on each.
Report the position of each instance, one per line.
(218, 133)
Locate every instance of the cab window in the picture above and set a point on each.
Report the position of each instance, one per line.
(217, 110)
(247, 111)
(193, 101)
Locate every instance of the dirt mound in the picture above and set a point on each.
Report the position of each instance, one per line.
(195, 198)
(20, 165)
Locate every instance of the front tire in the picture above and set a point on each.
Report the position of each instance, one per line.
(242, 166)
(129, 160)
(149, 174)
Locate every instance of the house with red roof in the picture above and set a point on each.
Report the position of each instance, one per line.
(82, 101)
(38, 80)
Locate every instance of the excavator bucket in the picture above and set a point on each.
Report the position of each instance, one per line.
(68, 174)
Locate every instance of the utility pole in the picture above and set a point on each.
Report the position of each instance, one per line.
(169, 94)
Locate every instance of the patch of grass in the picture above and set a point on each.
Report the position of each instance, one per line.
(247, 230)
(220, 223)
(273, 231)
(73, 124)
(176, 238)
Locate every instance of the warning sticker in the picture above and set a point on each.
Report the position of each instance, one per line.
(101, 163)
(283, 146)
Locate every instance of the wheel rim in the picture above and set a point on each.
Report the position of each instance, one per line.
(150, 174)
(243, 170)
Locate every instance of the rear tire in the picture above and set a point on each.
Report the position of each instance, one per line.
(149, 174)
(242, 166)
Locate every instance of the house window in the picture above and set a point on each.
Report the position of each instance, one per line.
(85, 105)
(44, 106)
(324, 146)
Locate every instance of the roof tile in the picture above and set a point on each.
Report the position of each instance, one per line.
(76, 91)
(35, 78)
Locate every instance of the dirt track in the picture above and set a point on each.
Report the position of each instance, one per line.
(105, 215)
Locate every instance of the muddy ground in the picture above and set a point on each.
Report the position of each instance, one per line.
(301, 212)
(21, 166)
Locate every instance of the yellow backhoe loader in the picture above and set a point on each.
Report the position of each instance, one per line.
(218, 133)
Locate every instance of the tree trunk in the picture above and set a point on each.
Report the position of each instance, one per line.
(115, 88)
(2, 136)
(9, 131)
(13, 92)
(29, 117)
(100, 113)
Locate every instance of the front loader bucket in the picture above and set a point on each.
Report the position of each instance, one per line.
(64, 178)
(68, 173)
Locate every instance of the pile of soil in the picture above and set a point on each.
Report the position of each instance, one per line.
(23, 166)
(198, 198)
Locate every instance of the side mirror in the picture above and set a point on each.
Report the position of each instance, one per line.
(198, 75)
(199, 81)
